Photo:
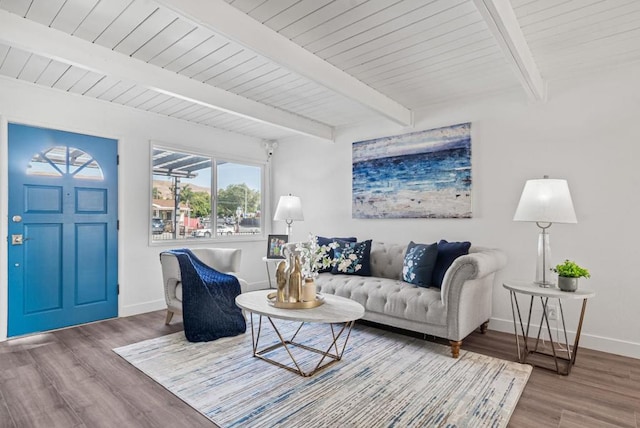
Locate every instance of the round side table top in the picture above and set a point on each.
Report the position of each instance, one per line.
(334, 310)
(533, 289)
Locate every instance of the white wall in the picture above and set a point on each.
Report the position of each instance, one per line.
(587, 133)
(139, 268)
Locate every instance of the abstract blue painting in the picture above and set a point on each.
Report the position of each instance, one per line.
(424, 174)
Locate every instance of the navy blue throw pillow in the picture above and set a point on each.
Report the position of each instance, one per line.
(447, 253)
(353, 258)
(419, 261)
(326, 241)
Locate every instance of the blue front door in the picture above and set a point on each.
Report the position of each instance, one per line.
(62, 229)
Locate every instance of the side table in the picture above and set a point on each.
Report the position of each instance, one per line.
(544, 294)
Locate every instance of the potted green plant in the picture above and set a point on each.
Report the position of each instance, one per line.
(568, 274)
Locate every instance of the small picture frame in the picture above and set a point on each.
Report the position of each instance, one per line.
(275, 246)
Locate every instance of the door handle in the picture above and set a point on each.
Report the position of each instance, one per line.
(18, 239)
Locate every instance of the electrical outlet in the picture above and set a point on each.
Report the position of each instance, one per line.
(552, 312)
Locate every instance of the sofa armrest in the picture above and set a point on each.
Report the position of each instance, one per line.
(479, 263)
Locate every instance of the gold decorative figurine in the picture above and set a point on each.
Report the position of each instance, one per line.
(289, 294)
(295, 282)
(281, 280)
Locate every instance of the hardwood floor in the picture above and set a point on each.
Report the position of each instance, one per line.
(71, 378)
(602, 390)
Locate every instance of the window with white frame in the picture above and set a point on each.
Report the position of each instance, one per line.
(183, 206)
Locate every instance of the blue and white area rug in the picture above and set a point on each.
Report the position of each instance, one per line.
(383, 380)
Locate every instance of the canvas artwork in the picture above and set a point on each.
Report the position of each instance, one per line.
(424, 174)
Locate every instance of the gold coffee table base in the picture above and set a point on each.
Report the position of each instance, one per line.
(331, 355)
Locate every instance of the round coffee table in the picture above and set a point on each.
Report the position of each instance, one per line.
(335, 310)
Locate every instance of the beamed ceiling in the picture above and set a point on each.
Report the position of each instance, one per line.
(272, 69)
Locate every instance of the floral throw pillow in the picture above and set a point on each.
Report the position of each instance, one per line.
(322, 241)
(419, 261)
(353, 258)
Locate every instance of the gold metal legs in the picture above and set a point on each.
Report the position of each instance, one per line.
(523, 349)
(332, 354)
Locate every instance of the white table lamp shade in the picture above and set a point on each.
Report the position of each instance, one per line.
(546, 201)
(289, 208)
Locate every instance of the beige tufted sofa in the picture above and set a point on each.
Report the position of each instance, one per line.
(462, 305)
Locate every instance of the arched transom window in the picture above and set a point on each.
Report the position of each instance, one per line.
(62, 161)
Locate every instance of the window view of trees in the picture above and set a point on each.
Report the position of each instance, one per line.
(237, 195)
(182, 202)
(200, 202)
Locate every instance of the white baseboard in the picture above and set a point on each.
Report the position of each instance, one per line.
(589, 341)
(155, 305)
(141, 308)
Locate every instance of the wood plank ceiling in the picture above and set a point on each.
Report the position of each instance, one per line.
(276, 68)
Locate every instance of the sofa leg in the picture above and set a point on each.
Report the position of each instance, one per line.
(169, 316)
(455, 348)
(484, 327)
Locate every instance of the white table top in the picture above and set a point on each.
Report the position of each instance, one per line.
(532, 289)
(335, 309)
